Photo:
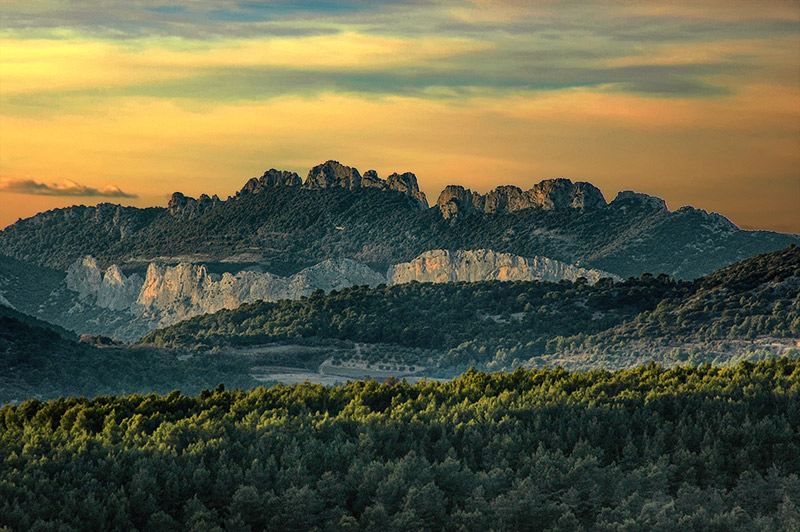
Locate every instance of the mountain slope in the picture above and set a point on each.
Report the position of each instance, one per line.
(337, 213)
(38, 360)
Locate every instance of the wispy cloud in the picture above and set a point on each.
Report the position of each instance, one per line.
(646, 95)
(66, 188)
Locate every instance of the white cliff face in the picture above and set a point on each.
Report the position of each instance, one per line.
(173, 293)
(110, 289)
(118, 292)
(128, 307)
(84, 277)
(441, 266)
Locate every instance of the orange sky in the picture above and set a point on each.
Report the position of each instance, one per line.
(127, 102)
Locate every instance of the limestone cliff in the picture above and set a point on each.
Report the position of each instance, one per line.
(441, 266)
(173, 293)
(92, 301)
(110, 289)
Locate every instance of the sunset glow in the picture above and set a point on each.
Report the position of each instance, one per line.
(129, 101)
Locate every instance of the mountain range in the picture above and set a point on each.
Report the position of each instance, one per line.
(284, 224)
(123, 272)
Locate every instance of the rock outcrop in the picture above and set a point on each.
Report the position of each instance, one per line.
(407, 184)
(186, 207)
(84, 276)
(442, 266)
(551, 194)
(272, 178)
(456, 200)
(111, 289)
(332, 174)
(173, 293)
(628, 199)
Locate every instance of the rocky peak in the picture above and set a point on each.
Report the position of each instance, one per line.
(332, 174)
(407, 184)
(636, 200)
(370, 179)
(587, 196)
(712, 221)
(456, 200)
(187, 207)
(556, 194)
(551, 194)
(272, 178)
(506, 198)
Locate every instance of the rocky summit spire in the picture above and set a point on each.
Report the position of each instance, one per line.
(187, 207)
(332, 174)
(272, 178)
(551, 194)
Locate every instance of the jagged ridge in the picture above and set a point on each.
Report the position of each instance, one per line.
(284, 224)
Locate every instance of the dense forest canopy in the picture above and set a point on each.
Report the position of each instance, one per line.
(690, 448)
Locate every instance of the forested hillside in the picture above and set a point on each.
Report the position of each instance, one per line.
(683, 449)
(514, 323)
(285, 228)
(44, 361)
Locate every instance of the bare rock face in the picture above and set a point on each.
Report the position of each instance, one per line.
(407, 184)
(110, 289)
(506, 198)
(456, 200)
(118, 292)
(370, 179)
(186, 207)
(628, 199)
(442, 266)
(272, 178)
(84, 276)
(173, 293)
(551, 194)
(332, 174)
(586, 196)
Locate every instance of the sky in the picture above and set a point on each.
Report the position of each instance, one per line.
(127, 101)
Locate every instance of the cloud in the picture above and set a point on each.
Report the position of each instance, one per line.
(67, 188)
